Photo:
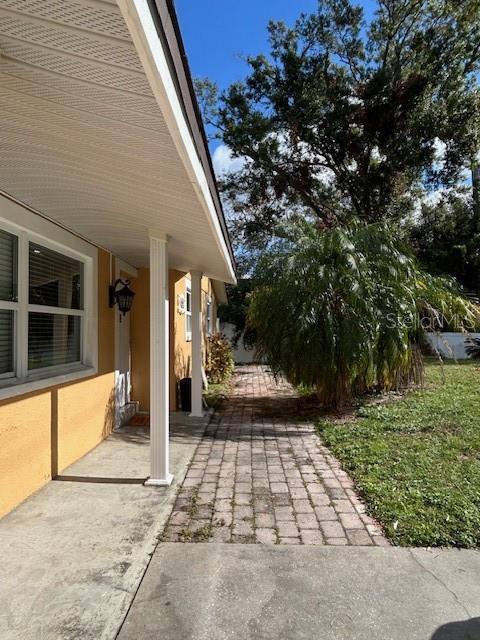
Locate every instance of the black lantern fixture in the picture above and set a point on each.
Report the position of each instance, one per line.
(123, 296)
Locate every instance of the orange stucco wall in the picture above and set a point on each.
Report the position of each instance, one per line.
(86, 409)
(44, 432)
(25, 452)
(180, 348)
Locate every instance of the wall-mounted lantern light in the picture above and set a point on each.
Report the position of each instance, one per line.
(123, 296)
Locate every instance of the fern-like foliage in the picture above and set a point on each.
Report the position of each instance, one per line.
(473, 348)
(343, 310)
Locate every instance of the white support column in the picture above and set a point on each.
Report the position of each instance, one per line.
(159, 364)
(197, 378)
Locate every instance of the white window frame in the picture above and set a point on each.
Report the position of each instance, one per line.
(30, 227)
(188, 314)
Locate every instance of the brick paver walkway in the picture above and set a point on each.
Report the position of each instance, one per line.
(261, 474)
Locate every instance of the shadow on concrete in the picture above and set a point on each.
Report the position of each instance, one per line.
(461, 630)
(124, 457)
(99, 479)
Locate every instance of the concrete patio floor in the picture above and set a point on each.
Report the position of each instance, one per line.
(73, 554)
(272, 592)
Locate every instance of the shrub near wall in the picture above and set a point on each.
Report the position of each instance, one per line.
(220, 363)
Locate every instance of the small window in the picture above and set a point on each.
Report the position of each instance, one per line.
(209, 316)
(188, 311)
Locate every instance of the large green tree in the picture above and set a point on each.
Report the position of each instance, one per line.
(344, 118)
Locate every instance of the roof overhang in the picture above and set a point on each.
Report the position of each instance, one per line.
(99, 134)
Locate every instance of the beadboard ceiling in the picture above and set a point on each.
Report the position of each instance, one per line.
(83, 139)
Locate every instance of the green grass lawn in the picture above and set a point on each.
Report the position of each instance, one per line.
(416, 461)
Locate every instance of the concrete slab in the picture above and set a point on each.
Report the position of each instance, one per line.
(73, 554)
(222, 591)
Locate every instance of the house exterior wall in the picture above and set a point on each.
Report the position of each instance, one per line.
(43, 432)
(180, 347)
(86, 409)
(25, 447)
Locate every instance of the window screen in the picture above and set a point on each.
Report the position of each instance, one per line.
(6, 341)
(53, 339)
(54, 280)
(8, 266)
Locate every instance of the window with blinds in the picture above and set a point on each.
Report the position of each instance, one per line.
(42, 315)
(55, 281)
(6, 343)
(53, 340)
(8, 266)
(8, 296)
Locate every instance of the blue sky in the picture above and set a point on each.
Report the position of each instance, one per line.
(218, 33)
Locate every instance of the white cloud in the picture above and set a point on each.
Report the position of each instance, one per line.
(223, 161)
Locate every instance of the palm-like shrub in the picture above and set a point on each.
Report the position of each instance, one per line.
(340, 310)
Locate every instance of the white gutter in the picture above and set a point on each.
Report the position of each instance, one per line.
(144, 34)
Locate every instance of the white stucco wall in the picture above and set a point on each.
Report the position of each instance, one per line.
(451, 345)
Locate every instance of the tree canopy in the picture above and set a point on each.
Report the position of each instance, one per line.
(446, 240)
(345, 119)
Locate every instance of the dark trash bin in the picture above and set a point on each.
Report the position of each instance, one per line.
(186, 394)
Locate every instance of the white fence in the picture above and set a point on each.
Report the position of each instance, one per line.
(241, 355)
(451, 345)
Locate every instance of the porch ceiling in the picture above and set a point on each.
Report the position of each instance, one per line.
(85, 139)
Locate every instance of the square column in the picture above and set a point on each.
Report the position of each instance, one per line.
(159, 364)
(197, 378)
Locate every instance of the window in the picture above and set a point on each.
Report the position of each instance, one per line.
(42, 308)
(8, 301)
(188, 311)
(209, 316)
(55, 296)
